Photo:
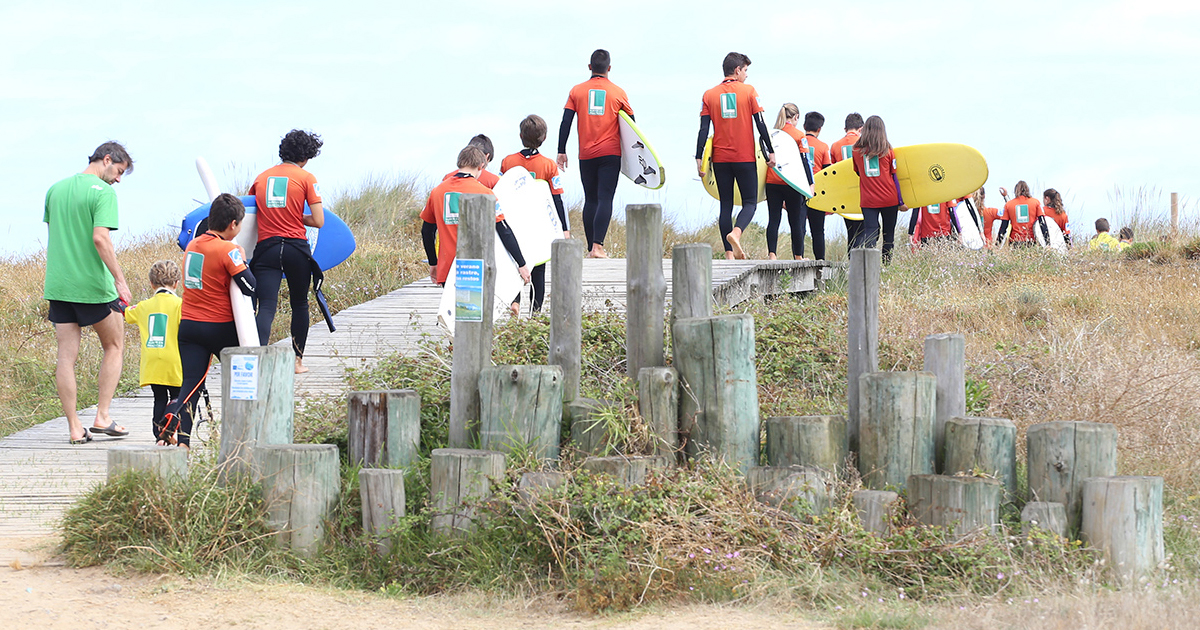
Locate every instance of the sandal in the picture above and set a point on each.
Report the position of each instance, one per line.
(110, 430)
(87, 437)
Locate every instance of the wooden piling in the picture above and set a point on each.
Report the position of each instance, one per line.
(691, 281)
(897, 410)
(383, 504)
(521, 409)
(458, 477)
(819, 441)
(945, 359)
(1123, 517)
(964, 504)
(876, 510)
(566, 312)
(628, 471)
(1062, 454)
(589, 433)
(658, 403)
(473, 340)
(385, 427)
(645, 308)
(987, 445)
(300, 489)
(862, 330)
(805, 489)
(258, 403)
(168, 463)
(1044, 515)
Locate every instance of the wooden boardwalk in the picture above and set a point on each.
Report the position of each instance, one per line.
(41, 474)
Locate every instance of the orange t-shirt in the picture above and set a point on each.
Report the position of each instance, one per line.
(596, 102)
(208, 265)
(876, 186)
(990, 215)
(818, 153)
(442, 210)
(731, 106)
(538, 165)
(935, 220)
(486, 177)
(280, 193)
(798, 136)
(843, 149)
(1060, 219)
(1022, 214)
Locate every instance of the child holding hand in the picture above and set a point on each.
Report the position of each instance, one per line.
(157, 319)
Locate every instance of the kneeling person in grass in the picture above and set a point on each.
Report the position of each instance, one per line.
(1103, 241)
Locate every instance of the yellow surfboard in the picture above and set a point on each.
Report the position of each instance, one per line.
(928, 174)
(710, 179)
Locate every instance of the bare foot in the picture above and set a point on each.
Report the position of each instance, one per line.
(771, 256)
(597, 251)
(735, 241)
(300, 369)
(515, 309)
(729, 256)
(800, 258)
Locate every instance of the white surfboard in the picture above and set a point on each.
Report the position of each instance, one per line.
(968, 226)
(508, 283)
(638, 160)
(243, 306)
(790, 164)
(1057, 242)
(528, 207)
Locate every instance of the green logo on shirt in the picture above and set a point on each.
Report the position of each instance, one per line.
(728, 105)
(847, 152)
(277, 192)
(450, 208)
(193, 271)
(1022, 213)
(872, 164)
(596, 100)
(935, 208)
(157, 327)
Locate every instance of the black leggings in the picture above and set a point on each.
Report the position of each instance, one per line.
(273, 259)
(780, 196)
(163, 394)
(746, 176)
(198, 343)
(853, 229)
(599, 177)
(870, 229)
(816, 229)
(537, 278)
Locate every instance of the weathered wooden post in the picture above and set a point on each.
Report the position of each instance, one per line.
(589, 432)
(719, 403)
(385, 427)
(458, 476)
(1044, 515)
(566, 312)
(804, 487)
(473, 339)
(897, 410)
(521, 409)
(628, 471)
(988, 445)
(876, 509)
(383, 503)
(1123, 517)
(258, 405)
(945, 359)
(168, 463)
(535, 485)
(964, 504)
(658, 402)
(300, 489)
(1063, 454)
(1175, 215)
(646, 305)
(691, 281)
(862, 329)
(819, 441)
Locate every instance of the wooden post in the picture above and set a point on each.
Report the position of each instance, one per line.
(964, 504)
(628, 471)
(719, 402)
(986, 445)
(647, 293)
(862, 329)
(1123, 517)
(808, 490)
(1062, 454)
(819, 441)
(383, 504)
(521, 409)
(589, 433)
(258, 403)
(566, 312)
(897, 410)
(691, 281)
(658, 402)
(385, 427)
(1175, 215)
(945, 358)
(300, 489)
(473, 340)
(876, 509)
(536, 485)
(168, 463)
(459, 476)
(1044, 515)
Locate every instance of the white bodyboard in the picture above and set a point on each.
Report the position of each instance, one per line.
(968, 227)
(243, 317)
(1058, 241)
(508, 282)
(790, 164)
(528, 207)
(638, 161)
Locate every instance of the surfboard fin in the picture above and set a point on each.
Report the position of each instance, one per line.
(640, 180)
(637, 145)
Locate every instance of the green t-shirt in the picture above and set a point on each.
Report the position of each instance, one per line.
(74, 208)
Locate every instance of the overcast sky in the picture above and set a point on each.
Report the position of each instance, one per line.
(1079, 96)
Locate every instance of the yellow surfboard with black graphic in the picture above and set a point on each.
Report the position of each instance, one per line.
(710, 179)
(928, 174)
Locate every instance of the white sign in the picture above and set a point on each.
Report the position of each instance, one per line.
(243, 377)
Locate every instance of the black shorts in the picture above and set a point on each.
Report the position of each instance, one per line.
(83, 314)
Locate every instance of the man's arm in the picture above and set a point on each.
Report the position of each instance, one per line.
(514, 249)
(317, 218)
(701, 139)
(564, 132)
(103, 241)
(428, 238)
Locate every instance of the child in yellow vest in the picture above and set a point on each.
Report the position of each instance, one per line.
(157, 319)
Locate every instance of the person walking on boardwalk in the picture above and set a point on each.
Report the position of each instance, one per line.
(879, 187)
(732, 109)
(597, 101)
(780, 195)
(280, 193)
(818, 157)
(84, 283)
(843, 149)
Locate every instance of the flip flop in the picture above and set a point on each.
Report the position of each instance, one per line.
(87, 437)
(110, 430)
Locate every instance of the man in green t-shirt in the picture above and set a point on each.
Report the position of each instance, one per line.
(84, 283)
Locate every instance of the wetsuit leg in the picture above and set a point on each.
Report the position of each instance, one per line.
(775, 196)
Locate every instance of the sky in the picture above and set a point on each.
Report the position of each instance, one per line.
(1084, 97)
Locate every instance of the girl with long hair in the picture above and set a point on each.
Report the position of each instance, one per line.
(879, 187)
(781, 195)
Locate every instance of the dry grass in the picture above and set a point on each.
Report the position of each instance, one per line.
(1147, 610)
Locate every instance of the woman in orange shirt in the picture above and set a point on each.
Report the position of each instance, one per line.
(986, 214)
(781, 195)
(1052, 206)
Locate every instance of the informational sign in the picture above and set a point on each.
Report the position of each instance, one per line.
(468, 290)
(243, 377)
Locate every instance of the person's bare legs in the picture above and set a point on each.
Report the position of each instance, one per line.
(111, 331)
(735, 240)
(68, 336)
(300, 368)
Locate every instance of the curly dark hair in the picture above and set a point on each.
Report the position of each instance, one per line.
(299, 146)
